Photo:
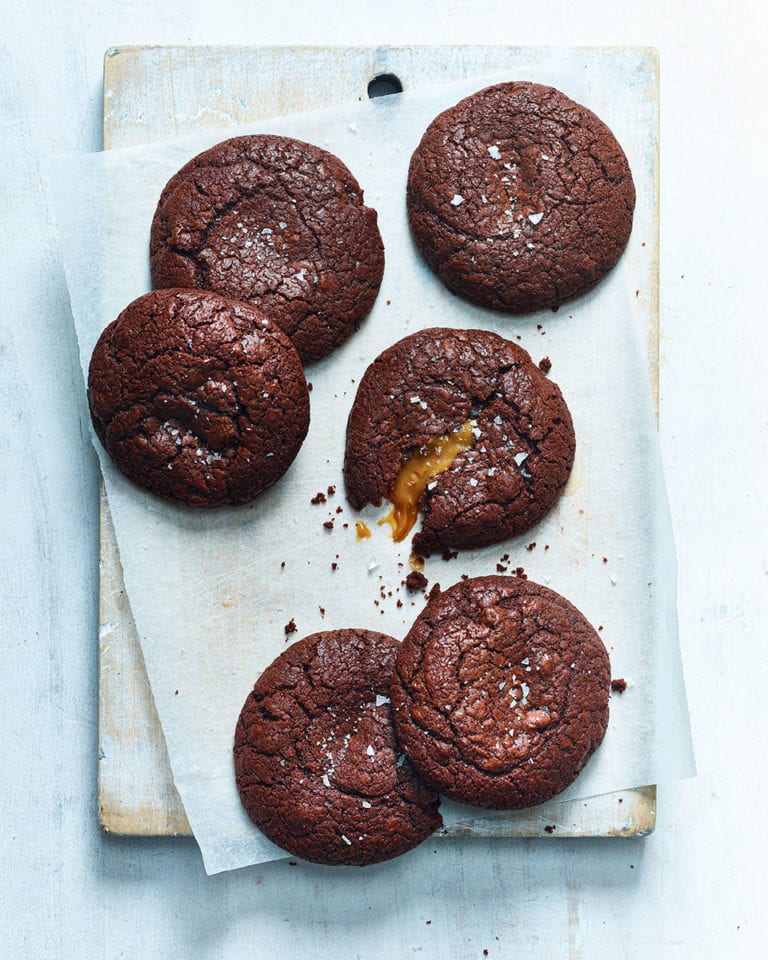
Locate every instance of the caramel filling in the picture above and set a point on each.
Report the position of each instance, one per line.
(434, 458)
(363, 531)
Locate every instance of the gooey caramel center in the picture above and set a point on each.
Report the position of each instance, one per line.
(434, 458)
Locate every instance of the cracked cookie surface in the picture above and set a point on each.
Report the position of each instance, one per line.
(276, 222)
(519, 198)
(501, 692)
(428, 385)
(317, 765)
(199, 399)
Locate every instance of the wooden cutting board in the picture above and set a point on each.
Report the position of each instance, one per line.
(159, 93)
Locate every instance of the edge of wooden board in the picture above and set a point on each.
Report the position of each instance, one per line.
(136, 793)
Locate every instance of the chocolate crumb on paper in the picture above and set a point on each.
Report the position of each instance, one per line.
(415, 581)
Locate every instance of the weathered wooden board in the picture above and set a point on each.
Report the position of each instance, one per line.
(158, 93)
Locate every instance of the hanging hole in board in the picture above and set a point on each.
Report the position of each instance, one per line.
(383, 85)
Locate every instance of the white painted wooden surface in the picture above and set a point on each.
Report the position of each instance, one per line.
(695, 888)
(158, 93)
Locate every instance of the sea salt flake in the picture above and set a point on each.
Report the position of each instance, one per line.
(380, 701)
(520, 458)
(495, 152)
(326, 781)
(457, 199)
(473, 481)
(346, 840)
(535, 217)
(370, 751)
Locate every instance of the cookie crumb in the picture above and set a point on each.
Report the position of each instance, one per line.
(545, 365)
(334, 566)
(450, 554)
(319, 497)
(290, 627)
(415, 581)
(434, 592)
(605, 559)
(619, 685)
(550, 828)
(328, 524)
(331, 490)
(309, 386)
(282, 564)
(520, 573)
(531, 546)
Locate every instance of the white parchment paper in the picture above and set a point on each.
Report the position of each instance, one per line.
(211, 591)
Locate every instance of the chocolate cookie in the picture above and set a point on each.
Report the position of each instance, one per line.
(519, 198)
(501, 692)
(278, 223)
(507, 426)
(316, 761)
(197, 398)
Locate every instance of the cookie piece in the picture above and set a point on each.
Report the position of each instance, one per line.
(501, 692)
(519, 198)
(317, 765)
(199, 399)
(278, 223)
(433, 384)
